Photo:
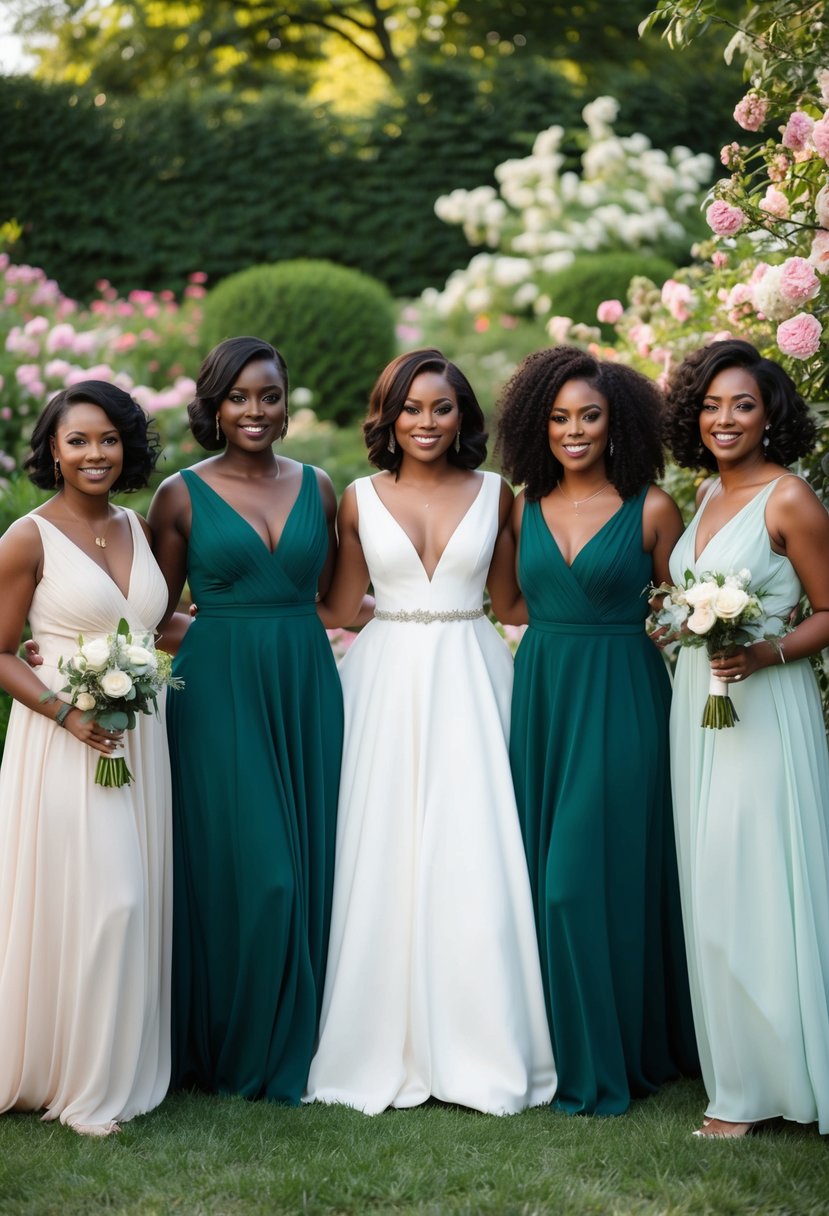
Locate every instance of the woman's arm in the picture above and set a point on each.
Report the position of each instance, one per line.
(21, 563)
(508, 603)
(169, 519)
(343, 602)
(661, 529)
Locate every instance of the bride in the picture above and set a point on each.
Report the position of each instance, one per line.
(433, 985)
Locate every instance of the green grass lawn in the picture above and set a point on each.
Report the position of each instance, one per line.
(197, 1155)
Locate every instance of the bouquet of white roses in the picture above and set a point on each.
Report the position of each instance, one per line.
(720, 612)
(112, 679)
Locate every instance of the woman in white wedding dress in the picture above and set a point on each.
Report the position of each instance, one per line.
(85, 871)
(433, 986)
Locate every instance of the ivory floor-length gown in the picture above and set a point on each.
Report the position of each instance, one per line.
(752, 826)
(433, 985)
(85, 875)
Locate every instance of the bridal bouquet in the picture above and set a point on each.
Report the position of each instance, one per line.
(112, 679)
(720, 612)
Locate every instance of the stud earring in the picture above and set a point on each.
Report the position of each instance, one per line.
(392, 444)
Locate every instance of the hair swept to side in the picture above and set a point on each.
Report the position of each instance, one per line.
(792, 430)
(389, 396)
(524, 408)
(217, 375)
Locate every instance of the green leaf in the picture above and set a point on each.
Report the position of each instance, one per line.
(113, 719)
(123, 629)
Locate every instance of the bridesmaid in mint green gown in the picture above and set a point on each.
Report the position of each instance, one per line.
(589, 746)
(752, 802)
(255, 735)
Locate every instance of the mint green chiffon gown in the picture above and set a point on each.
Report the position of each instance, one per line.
(589, 754)
(255, 738)
(752, 806)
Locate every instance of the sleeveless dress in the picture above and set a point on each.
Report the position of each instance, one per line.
(751, 806)
(85, 874)
(589, 751)
(256, 736)
(433, 984)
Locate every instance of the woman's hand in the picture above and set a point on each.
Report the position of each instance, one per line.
(736, 665)
(32, 653)
(90, 733)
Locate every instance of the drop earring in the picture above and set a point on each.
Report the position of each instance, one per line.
(457, 443)
(610, 449)
(766, 439)
(218, 430)
(392, 443)
(58, 474)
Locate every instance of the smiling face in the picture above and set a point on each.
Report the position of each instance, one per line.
(253, 414)
(578, 427)
(88, 448)
(732, 419)
(430, 418)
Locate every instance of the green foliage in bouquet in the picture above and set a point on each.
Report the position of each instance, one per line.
(334, 326)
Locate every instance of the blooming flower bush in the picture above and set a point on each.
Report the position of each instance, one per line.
(628, 195)
(148, 344)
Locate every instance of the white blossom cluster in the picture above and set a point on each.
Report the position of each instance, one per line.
(628, 195)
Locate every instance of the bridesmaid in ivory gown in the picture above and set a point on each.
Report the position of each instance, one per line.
(752, 802)
(433, 985)
(256, 736)
(589, 745)
(85, 891)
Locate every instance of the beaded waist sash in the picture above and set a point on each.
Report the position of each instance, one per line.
(421, 616)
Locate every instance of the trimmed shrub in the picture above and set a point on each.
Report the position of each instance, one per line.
(334, 327)
(578, 290)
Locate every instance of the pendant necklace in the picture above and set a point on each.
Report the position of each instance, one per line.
(100, 540)
(576, 502)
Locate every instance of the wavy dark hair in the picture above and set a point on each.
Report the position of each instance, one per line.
(527, 400)
(141, 443)
(792, 430)
(389, 396)
(217, 375)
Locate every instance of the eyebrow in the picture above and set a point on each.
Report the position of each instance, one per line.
(104, 434)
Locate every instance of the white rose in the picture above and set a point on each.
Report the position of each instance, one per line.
(96, 654)
(140, 658)
(115, 683)
(84, 701)
(701, 595)
(701, 619)
(730, 602)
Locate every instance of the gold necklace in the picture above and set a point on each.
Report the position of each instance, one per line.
(576, 502)
(100, 541)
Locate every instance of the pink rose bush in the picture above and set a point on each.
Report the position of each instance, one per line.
(723, 219)
(751, 112)
(800, 336)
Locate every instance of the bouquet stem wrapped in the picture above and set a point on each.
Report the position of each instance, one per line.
(112, 679)
(719, 709)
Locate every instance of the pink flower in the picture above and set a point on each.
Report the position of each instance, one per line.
(10, 298)
(559, 328)
(123, 308)
(676, 297)
(56, 369)
(822, 207)
(140, 297)
(819, 253)
(723, 219)
(799, 337)
(609, 311)
(798, 281)
(125, 341)
(194, 291)
(60, 337)
(820, 136)
(481, 325)
(198, 276)
(37, 325)
(775, 203)
(750, 113)
(730, 154)
(4, 262)
(797, 131)
(778, 167)
(719, 260)
(642, 337)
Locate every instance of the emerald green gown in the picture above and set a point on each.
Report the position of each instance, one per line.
(589, 755)
(255, 739)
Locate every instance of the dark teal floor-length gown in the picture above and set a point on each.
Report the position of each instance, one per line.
(589, 754)
(256, 739)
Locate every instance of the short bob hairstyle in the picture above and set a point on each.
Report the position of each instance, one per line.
(633, 456)
(217, 375)
(141, 443)
(389, 396)
(792, 429)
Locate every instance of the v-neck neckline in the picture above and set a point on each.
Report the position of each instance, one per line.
(430, 578)
(270, 551)
(125, 595)
(698, 556)
(589, 540)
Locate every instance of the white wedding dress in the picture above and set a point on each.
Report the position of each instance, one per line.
(433, 985)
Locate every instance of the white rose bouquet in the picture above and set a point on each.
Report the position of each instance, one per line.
(112, 679)
(720, 612)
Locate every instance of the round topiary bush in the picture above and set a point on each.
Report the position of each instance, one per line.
(334, 327)
(578, 290)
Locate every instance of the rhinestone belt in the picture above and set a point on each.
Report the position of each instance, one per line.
(420, 616)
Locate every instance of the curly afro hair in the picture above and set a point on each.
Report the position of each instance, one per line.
(141, 444)
(526, 402)
(792, 431)
(217, 375)
(389, 396)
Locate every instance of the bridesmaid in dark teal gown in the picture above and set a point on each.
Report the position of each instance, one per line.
(589, 745)
(255, 735)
